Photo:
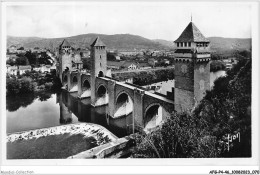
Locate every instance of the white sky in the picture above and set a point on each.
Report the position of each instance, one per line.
(153, 20)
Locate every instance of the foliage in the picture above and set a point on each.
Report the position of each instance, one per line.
(111, 56)
(147, 77)
(21, 60)
(19, 86)
(180, 136)
(10, 62)
(38, 58)
(226, 109)
(216, 66)
(30, 82)
(26, 85)
(30, 58)
(12, 86)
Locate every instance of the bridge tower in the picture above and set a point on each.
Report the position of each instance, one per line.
(64, 58)
(192, 68)
(98, 65)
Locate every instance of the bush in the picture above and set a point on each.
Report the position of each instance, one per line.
(180, 136)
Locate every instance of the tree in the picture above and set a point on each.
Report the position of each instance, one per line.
(26, 85)
(31, 57)
(21, 60)
(12, 86)
(10, 62)
(20, 48)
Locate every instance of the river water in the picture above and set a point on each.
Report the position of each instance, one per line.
(49, 109)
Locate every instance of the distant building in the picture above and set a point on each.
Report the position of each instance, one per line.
(23, 69)
(21, 50)
(152, 62)
(44, 68)
(13, 70)
(230, 62)
(38, 69)
(130, 65)
(144, 66)
(129, 53)
(84, 53)
(115, 65)
(118, 58)
(12, 49)
(166, 61)
(78, 64)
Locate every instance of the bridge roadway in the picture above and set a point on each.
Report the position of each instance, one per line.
(145, 106)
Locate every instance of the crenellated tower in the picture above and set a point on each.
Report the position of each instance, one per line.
(98, 64)
(192, 68)
(65, 58)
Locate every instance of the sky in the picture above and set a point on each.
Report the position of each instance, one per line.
(152, 20)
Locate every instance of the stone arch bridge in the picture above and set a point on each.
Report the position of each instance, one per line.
(148, 109)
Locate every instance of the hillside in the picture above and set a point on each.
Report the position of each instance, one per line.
(220, 45)
(128, 42)
(118, 41)
(165, 42)
(227, 45)
(20, 41)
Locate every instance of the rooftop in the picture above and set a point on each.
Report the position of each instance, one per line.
(65, 43)
(191, 34)
(97, 42)
(24, 67)
(78, 62)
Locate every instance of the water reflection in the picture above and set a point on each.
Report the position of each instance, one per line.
(48, 109)
(13, 103)
(71, 105)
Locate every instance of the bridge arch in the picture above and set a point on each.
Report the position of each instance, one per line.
(85, 85)
(101, 90)
(124, 104)
(65, 79)
(153, 115)
(75, 79)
